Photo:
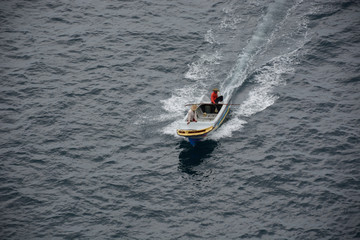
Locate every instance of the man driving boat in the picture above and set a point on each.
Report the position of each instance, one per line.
(215, 98)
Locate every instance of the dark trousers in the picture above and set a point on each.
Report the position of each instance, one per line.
(219, 99)
(217, 107)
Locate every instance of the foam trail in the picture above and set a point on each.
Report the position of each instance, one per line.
(260, 37)
(260, 97)
(267, 77)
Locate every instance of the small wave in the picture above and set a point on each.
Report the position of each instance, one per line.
(58, 19)
(202, 68)
(230, 23)
(209, 37)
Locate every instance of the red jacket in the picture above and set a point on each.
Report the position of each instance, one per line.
(214, 97)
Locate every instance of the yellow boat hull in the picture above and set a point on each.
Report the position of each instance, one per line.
(194, 133)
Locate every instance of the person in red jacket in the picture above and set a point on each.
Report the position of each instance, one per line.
(214, 96)
(215, 99)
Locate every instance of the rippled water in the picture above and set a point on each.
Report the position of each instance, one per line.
(92, 91)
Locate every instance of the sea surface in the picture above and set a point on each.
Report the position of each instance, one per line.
(92, 92)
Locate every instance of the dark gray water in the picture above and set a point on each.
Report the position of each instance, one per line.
(92, 92)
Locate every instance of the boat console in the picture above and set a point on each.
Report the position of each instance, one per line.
(207, 112)
(210, 108)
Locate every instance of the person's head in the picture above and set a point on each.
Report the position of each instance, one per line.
(193, 107)
(215, 89)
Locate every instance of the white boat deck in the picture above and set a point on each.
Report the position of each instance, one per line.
(206, 113)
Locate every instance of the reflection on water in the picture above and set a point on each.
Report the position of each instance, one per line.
(191, 157)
